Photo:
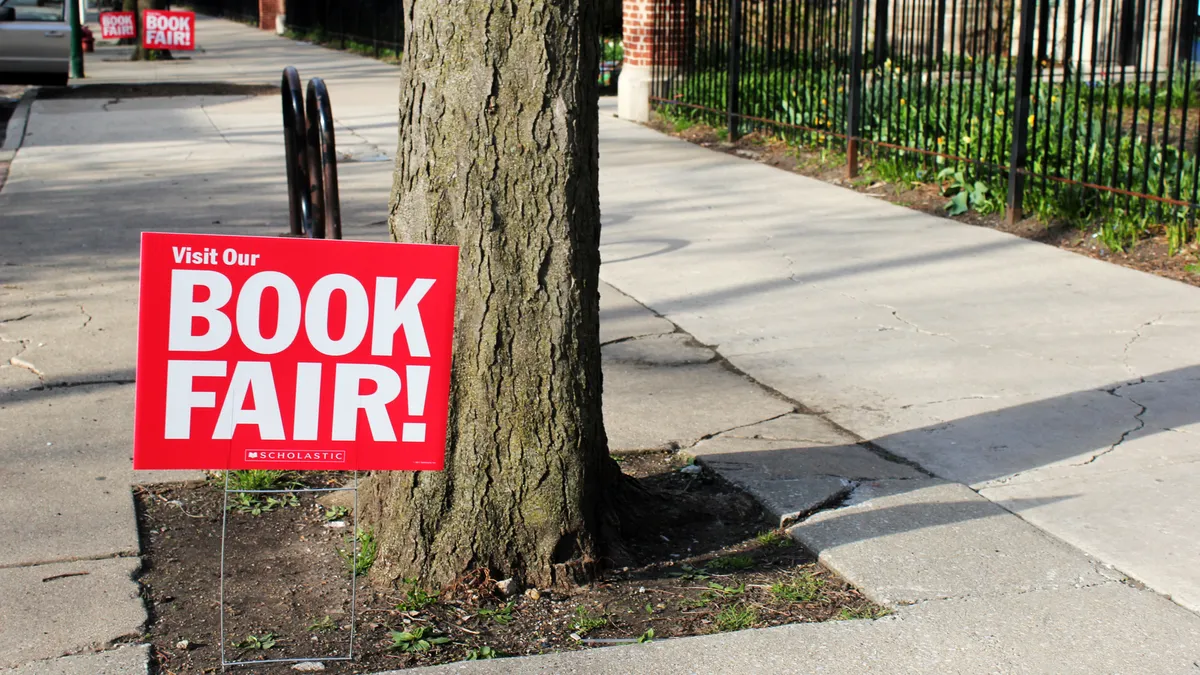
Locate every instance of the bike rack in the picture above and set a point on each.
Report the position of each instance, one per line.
(314, 207)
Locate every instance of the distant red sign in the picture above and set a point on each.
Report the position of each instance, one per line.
(263, 352)
(118, 25)
(162, 29)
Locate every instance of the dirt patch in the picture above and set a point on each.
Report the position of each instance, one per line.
(1150, 254)
(714, 565)
(157, 90)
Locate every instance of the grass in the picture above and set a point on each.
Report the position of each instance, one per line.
(368, 547)
(586, 622)
(803, 588)
(736, 617)
(773, 539)
(863, 612)
(262, 479)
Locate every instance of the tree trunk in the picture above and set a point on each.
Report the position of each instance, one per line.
(498, 155)
(140, 53)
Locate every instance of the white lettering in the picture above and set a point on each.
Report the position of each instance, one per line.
(316, 314)
(181, 399)
(347, 400)
(184, 308)
(308, 402)
(249, 309)
(390, 317)
(265, 415)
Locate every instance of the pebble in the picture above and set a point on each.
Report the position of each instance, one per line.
(691, 469)
(533, 594)
(183, 644)
(309, 666)
(336, 524)
(508, 587)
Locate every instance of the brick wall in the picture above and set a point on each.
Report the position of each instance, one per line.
(267, 11)
(654, 31)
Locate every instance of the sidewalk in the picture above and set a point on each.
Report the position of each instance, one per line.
(1055, 386)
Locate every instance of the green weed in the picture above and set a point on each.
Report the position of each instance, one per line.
(501, 615)
(483, 653)
(257, 642)
(322, 625)
(864, 612)
(417, 640)
(585, 622)
(802, 588)
(736, 617)
(773, 539)
(368, 547)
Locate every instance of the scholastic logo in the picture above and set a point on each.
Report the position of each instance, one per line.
(296, 456)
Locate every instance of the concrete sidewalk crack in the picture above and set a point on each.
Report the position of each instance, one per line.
(740, 426)
(80, 383)
(88, 319)
(1141, 423)
(1137, 335)
(16, 318)
(972, 397)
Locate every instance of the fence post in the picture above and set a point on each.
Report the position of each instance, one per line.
(732, 100)
(1020, 135)
(854, 90)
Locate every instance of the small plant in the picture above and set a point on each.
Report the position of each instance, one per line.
(803, 588)
(730, 563)
(689, 573)
(648, 636)
(964, 194)
(773, 539)
(262, 479)
(333, 513)
(417, 640)
(323, 625)
(736, 617)
(586, 622)
(865, 612)
(484, 652)
(244, 502)
(727, 590)
(256, 642)
(416, 598)
(501, 615)
(367, 548)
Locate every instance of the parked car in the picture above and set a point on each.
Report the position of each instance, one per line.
(34, 42)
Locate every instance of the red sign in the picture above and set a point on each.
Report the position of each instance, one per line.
(168, 30)
(275, 353)
(118, 25)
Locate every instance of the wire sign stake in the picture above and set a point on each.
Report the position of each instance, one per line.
(349, 655)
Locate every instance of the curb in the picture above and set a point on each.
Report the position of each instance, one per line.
(16, 126)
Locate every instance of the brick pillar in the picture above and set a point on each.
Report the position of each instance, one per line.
(655, 32)
(268, 12)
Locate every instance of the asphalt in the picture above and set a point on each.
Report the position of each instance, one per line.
(990, 435)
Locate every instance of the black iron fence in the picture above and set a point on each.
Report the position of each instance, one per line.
(245, 11)
(1085, 110)
(373, 25)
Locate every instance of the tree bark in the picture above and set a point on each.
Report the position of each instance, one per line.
(498, 155)
(140, 53)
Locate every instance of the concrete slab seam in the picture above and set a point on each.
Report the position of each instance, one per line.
(15, 133)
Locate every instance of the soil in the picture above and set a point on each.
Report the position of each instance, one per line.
(1150, 254)
(710, 567)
